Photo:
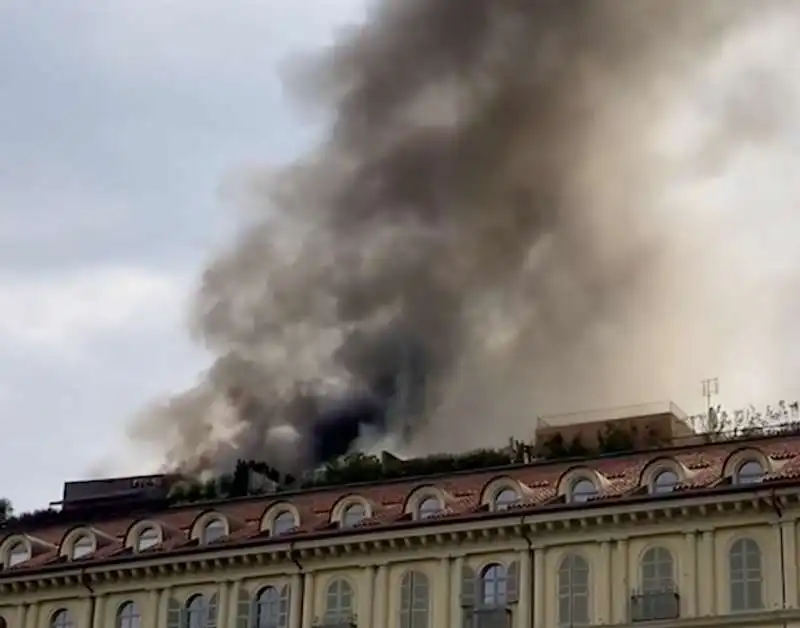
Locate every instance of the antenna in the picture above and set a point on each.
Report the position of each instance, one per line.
(710, 388)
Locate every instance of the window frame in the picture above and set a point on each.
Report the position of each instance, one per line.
(339, 589)
(574, 567)
(743, 577)
(275, 524)
(756, 478)
(426, 499)
(61, 618)
(77, 541)
(208, 523)
(346, 513)
(499, 505)
(415, 608)
(584, 496)
(128, 615)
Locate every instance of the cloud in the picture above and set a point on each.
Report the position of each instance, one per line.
(62, 314)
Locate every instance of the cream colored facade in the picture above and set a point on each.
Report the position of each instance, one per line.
(734, 561)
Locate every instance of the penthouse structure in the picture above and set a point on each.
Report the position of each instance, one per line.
(632, 520)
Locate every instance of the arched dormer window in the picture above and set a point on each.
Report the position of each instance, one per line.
(16, 552)
(429, 507)
(353, 514)
(281, 518)
(146, 537)
(505, 498)
(82, 545)
(748, 472)
(581, 490)
(283, 523)
(213, 530)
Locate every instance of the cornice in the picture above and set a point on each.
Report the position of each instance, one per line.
(612, 522)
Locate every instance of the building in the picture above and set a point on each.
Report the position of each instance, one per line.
(698, 531)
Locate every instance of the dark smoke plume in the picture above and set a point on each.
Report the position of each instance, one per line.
(485, 234)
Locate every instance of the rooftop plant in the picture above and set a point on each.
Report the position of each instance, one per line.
(251, 477)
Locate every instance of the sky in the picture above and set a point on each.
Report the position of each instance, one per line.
(120, 123)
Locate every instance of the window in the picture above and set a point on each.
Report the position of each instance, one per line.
(573, 592)
(272, 609)
(353, 515)
(657, 599)
(199, 613)
(505, 498)
(283, 523)
(62, 619)
(339, 602)
(749, 472)
(213, 531)
(582, 490)
(429, 507)
(128, 616)
(494, 586)
(414, 600)
(82, 546)
(18, 553)
(665, 482)
(744, 564)
(148, 537)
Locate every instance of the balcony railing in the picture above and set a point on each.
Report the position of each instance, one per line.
(337, 621)
(655, 605)
(489, 617)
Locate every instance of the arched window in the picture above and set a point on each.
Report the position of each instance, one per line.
(272, 609)
(505, 498)
(283, 523)
(18, 553)
(339, 602)
(353, 515)
(197, 613)
(746, 580)
(414, 600)
(657, 570)
(665, 482)
(128, 616)
(494, 586)
(582, 490)
(82, 546)
(750, 472)
(573, 591)
(429, 507)
(62, 619)
(213, 531)
(148, 537)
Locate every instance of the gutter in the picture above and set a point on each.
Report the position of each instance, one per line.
(778, 508)
(294, 556)
(86, 582)
(531, 571)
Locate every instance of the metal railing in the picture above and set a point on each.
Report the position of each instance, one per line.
(489, 617)
(655, 605)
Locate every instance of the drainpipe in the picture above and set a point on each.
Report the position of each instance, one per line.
(532, 574)
(294, 556)
(776, 506)
(86, 582)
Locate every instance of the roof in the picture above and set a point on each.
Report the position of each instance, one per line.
(463, 496)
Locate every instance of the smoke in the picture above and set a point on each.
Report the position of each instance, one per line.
(499, 223)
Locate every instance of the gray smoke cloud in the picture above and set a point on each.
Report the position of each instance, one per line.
(490, 230)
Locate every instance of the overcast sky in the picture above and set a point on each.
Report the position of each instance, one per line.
(119, 121)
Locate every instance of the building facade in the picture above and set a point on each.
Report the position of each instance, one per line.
(698, 535)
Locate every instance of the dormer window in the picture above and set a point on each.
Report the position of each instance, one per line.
(353, 515)
(582, 490)
(148, 537)
(18, 553)
(429, 507)
(213, 531)
(283, 523)
(664, 482)
(505, 498)
(82, 546)
(749, 472)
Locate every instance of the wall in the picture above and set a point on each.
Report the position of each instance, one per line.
(699, 548)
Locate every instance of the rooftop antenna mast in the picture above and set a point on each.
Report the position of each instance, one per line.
(710, 388)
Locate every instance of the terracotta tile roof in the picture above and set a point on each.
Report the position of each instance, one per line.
(539, 482)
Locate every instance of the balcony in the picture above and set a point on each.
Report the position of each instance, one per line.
(655, 605)
(336, 621)
(489, 617)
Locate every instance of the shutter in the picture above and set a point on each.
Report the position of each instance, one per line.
(283, 605)
(467, 587)
(174, 614)
(244, 610)
(213, 612)
(512, 584)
